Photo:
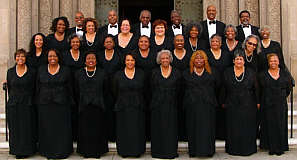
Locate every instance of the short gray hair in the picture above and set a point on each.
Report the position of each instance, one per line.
(258, 48)
(149, 12)
(230, 26)
(264, 27)
(158, 59)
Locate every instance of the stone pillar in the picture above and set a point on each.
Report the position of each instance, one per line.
(45, 18)
(24, 23)
(253, 7)
(35, 16)
(271, 16)
(102, 9)
(229, 11)
(66, 9)
(215, 3)
(87, 7)
(190, 10)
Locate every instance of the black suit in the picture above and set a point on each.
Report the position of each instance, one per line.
(71, 31)
(240, 34)
(220, 28)
(170, 32)
(136, 30)
(103, 32)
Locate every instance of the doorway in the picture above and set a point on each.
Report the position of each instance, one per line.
(160, 9)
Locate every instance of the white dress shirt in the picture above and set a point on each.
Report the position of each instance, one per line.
(212, 28)
(247, 30)
(79, 33)
(145, 31)
(114, 30)
(177, 31)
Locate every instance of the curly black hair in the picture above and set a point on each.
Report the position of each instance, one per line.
(55, 22)
(32, 47)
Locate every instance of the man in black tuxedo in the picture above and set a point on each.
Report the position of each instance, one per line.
(211, 26)
(145, 26)
(177, 27)
(112, 28)
(79, 20)
(245, 28)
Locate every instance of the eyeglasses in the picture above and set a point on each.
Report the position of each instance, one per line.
(253, 44)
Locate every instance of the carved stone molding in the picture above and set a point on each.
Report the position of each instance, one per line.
(24, 17)
(212, 2)
(87, 7)
(66, 10)
(253, 7)
(229, 12)
(273, 19)
(45, 19)
(190, 10)
(102, 8)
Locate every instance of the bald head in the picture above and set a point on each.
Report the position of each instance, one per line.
(211, 12)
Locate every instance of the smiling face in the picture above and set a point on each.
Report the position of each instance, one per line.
(112, 17)
(125, 26)
(179, 42)
(75, 43)
(230, 33)
(61, 26)
(211, 12)
(20, 59)
(265, 33)
(238, 61)
(160, 30)
(108, 43)
(175, 18)
(215, 43)
(273, 62)
(91, 60)
(245, 18)
(194, 32)
(251, 44)
(165, 60)
(143, 43)
(90, 27)
(129, 62)
(79, 19)
(145, 18)
(52, 57)
(38, 41)
(199, 61)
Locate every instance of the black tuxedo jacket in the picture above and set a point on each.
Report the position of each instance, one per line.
(240, 34)
(220, 28)
(136, 30)
(170, 32)
(103, 32)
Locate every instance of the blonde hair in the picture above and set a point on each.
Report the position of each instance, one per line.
(202, 54)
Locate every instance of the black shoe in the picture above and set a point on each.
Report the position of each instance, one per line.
(21, 157)
(279, 153)
(271, 153)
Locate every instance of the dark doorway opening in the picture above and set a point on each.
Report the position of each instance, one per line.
(131, 9)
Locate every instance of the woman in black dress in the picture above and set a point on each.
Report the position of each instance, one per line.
(109, 60)
(92, 138)
(165, 83)
(200, 105)
(129, 108)
(251, 48)
(241, 105)
(21, 114)
(181, 59)
(231, 44)
(54, 101)
(125, 41)
(58, 39)
(37, 53)
(146, 60)
(219, 60)
(275, 83)
(192, 41)
(73, 59)
(90, 39)
(269, 46)
(160, 40)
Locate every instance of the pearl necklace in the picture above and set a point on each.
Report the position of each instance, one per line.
(75, 59)
(239, 80)
(233, 46)
(246, 57)
(199, 74)
(57, 70)
(111, 55)
(127, 74)
(163, 74)
(274, 77)
(193, 49)
(88, 73)
(90, 43)
(20, 75)
(216, 57)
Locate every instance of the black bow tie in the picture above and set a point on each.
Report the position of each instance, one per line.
(212, 22)
(78, 29)
(145, 26)
(175, 26)
(243, 26)
(113, 26)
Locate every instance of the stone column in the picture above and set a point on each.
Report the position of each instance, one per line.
(215, 3)
(229, 11)
(87, 7)
(66, 9)
(24, 23)
(253, 7)
(102, 9)
(190, 10)
(45, 18)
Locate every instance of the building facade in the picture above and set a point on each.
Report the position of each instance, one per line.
(20, 19)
